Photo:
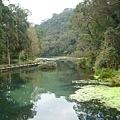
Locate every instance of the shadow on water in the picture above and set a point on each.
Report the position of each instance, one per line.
(94, 110)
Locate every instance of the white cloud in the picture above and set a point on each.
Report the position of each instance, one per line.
(42, 9)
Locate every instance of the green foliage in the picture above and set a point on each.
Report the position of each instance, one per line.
(110, 75)
(105, 74)
(99, 22)
(24, 58)
(48, 66)
(107, 59)
(13, 31)
(14, 61)
(58, 38)
(116, 79)
(110, 53)
(3, 61)
(82, 64)
(22, 26)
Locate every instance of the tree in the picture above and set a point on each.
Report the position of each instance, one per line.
(35, 47)
(9, 35)
(58, 38)
(22, 25)
(2, 42)
(94, 18)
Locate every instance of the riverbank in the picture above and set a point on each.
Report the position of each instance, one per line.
(12, 67)
(33, 64)
(109, 96)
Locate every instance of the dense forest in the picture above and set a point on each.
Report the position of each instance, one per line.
(99, 24)
(58, 38)
(17, 36)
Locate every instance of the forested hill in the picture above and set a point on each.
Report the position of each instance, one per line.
(59, 38)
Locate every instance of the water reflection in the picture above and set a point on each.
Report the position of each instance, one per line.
(35, 95)
(10, 109)
(48, 107)
(22, 90)
(94, 110)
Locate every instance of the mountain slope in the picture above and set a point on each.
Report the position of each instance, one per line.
(59, 38)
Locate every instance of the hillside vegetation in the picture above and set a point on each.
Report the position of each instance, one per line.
(59, 38)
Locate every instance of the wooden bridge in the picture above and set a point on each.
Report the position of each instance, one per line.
(6, 68)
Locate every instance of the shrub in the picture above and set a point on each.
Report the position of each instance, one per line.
(110, 75)
(82, 63)
(116, 80)
(107, 59)
(14, 61)
(105, 74)
(48, 66)
(3, 61)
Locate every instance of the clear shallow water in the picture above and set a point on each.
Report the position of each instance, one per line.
(34, 95)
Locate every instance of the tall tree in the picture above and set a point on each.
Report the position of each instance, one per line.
(2, 42)
(22, 25)
(35, 47)
(9, 31)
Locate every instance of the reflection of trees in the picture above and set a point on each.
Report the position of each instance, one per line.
(11, 81)
(65, 65)
(60, 81)
(93, 110)
(10, 109)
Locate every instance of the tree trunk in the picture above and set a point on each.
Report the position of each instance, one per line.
(8, 56)
(19, 58)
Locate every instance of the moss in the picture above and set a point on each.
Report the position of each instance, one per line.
(110, 96)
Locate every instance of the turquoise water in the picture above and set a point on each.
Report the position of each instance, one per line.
(32, 94)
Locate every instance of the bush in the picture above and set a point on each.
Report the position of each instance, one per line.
(109, 75)
(48, 66)
(24, 58)
(3, 61)
(83, 64)
(116, 79)
(107, 59)
(105, 74)
(14, 61)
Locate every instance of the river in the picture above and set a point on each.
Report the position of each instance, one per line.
(32, 94)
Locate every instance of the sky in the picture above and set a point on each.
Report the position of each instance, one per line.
(44, 9)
